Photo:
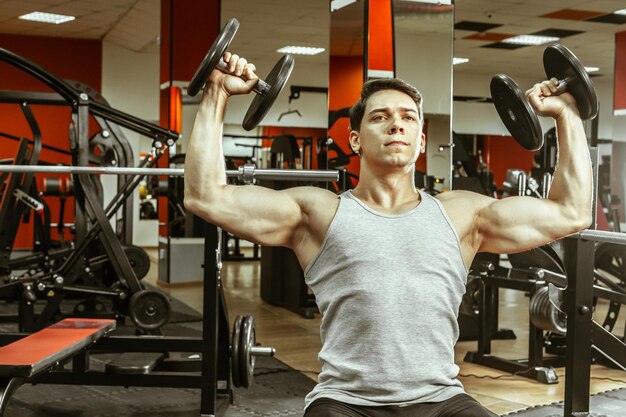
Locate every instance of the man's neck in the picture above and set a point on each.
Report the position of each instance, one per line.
(392, 190)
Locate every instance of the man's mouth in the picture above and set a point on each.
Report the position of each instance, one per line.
(397, 142)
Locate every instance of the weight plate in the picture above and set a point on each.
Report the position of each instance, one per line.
(470, 301)
(261, 104)
(235, 348)
(213, 56)
(516, 113)
(246, 358)
(139, 260)
(149, 309)
(560, 63)
(544, 315)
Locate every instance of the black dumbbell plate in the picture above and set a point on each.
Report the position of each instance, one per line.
(213, 56)
(516, 113)
(560, 63)
(261, 104)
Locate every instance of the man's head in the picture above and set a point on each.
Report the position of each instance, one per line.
(357, 111)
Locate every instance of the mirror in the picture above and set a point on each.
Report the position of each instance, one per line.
(424, 38)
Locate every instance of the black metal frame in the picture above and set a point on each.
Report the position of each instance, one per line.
(210, 373)
(91, 219)
(582, 332)
(536, 366)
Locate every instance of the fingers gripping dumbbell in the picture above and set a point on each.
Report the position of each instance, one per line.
(243, 350)
(267, 91)
(515, 110)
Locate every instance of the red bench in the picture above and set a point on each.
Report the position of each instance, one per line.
(23, 360)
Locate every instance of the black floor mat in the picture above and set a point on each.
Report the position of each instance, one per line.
(606, 404)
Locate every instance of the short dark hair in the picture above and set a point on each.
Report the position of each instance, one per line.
(373, 86)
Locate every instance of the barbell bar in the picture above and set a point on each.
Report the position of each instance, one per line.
(246, 173)
(603, 236)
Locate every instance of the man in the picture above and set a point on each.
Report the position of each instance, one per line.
(387, 262)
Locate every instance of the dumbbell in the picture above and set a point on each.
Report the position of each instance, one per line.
(267, 91)
(515, 110)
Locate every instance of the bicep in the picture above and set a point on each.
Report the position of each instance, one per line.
(515, 224)
(254, 213)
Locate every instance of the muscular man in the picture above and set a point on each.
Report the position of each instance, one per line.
(387, 262)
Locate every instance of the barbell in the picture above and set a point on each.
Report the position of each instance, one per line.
(246, 173)
(267, 91)
(515, 110)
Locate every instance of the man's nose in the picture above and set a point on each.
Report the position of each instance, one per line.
(396, 126)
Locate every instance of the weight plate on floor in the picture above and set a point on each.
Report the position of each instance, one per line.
(261, 104)
(516, 112)
(149, 309)
(560, 63)
(213, 56)
(235, 348)
(246, 358)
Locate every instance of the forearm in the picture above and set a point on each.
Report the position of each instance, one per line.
(205, 171)
(572, 184)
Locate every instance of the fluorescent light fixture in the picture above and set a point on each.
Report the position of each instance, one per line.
(620, 11)
(456, 61)
(592, 69)
(47, 17)
(338, 4)
(530, 40)
(300, 50)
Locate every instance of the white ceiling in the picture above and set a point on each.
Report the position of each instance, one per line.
(269, 24)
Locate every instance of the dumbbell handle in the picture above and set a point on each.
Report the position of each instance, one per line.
(261, 88)
(562, 87)
(262, 351)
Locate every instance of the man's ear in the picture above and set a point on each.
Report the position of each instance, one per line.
(355, 141)
(423, 143)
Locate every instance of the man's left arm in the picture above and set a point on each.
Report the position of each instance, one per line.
(516, 224)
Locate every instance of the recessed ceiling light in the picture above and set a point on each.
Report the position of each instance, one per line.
(620, 11)
(456, 61)
(530, 40)
(300, 50)
(47, 17)
(592, 69)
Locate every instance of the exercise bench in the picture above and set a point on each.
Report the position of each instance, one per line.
(25, 359)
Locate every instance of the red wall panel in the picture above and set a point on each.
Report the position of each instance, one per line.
(619, 79)
(502, 153)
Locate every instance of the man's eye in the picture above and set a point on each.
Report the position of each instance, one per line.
(378, 117)
(410, 118)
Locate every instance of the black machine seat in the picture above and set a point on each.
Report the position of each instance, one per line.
(545, 257)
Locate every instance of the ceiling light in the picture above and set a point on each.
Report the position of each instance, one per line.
(620, 11)
(530, 40)
(456, 61)
(592, 69)
(47, 17)
(338, 4)
(300, 50)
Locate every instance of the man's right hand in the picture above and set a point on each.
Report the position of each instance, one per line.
(232, 84)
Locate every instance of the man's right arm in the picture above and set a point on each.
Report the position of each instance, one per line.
(254, 213)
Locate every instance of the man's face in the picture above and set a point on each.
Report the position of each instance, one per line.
(391, 131)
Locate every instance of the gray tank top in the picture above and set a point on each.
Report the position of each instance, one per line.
(389, 289)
